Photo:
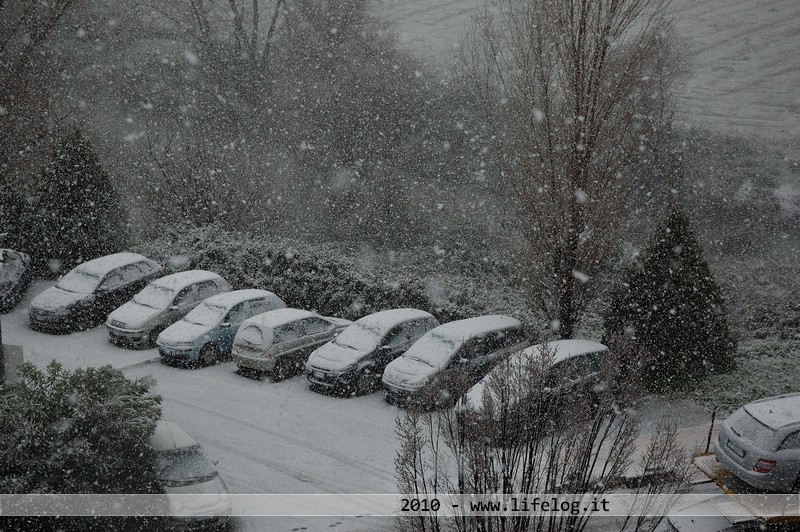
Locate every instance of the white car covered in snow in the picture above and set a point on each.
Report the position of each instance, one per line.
(570, 366)
(160, 304)
(279, 341)
(197, 496)
(446, 360)
(354, 361)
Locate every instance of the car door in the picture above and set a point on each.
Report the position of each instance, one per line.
(316, 332)
(110, 293)
(394, 343)
(230, 324)
(288, 339)
(184, 301)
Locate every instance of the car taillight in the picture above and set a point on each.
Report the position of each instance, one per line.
(764, 466)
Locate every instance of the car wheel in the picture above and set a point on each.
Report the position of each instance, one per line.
(153, 336)
(210, 355)
(365, 383)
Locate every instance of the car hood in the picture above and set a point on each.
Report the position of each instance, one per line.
(335, 357)
(134, 315)
(55, 298)
(183, 331)
(404, 370)
(202, 498)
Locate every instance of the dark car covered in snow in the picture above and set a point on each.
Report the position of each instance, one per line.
(86, 295)
(15, 276)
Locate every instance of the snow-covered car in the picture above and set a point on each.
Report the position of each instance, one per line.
(15, 276)
(160, 304)
(572, 367)
(86, 295)
(279, 341)
(354, 361)
(760, 443)
(448, 359)
(206, 333)
(197, 496)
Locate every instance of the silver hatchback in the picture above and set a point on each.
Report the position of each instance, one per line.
(760, 443)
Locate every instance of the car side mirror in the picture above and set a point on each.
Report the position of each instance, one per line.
(174, 307)
(385, 348)
(226, 325)
(462, 360)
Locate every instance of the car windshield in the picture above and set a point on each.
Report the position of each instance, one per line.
(359, 337)
(433, 349)
(206, 314)
(746, 426)
(155, 296)
(181, 467)
(79, 281)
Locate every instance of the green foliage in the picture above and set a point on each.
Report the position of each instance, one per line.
(78, 216)
(86, 431)
(673, 308)
(12, 215)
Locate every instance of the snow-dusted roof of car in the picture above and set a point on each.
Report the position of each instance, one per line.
(776, 412)
(169, 436)
(228, 299)
(105, 264)
(386, 319)
(275, 318)
(472, 327)
(180, 280)
(564, 349)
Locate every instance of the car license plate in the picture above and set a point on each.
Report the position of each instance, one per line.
(733, 446)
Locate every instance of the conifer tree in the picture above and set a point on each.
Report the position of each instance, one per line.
(673, 308)
(78, 215)
(12, 216)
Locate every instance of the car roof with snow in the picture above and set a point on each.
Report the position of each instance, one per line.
(475, 327)
(229, 299)
(386, 319)
(180, 280)
(103, 265)
(776, 412)
(278, 317)
(168, 436)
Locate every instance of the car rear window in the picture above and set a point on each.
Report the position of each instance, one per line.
(250, 336)
(748, 427)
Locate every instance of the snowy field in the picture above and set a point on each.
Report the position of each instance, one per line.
(744, 66)
(269, 437)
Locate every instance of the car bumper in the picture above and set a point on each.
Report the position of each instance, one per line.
(181, 354)
(126, 336)
(399, 396)
(254, 363)
(777, 480)
(50, 323)
(325, 379)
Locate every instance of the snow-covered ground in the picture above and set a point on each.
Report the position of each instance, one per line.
(744, 69)
(269, 437)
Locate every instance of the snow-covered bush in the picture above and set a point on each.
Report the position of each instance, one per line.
(85, 431)
(317, 277)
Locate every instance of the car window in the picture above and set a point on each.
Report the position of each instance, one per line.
(238, 313)
(130, 273)
(112, 280)
(261, 305)
(397, 336)
(792, 441)
(206, 289)
(145, 267)
(288, 332)
(315, 326)
(185, 297)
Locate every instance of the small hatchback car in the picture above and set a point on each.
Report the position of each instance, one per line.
(760, 443)
(197, 495)
(86, 295)
(206, 333)
(450, 358)
(354, 362)
(163, 302)
(279, 341)
(15, 276)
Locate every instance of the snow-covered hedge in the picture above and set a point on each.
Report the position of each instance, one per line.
(317, 277)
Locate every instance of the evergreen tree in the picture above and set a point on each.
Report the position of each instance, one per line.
(673, 308)
(12, 217)
(78, 216)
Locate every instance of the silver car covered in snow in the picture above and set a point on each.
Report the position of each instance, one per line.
(160, 304)
(760, 443)
(279, 341)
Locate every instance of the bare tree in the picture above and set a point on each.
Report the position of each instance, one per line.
(569, 87)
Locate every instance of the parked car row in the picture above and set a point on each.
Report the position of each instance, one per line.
(15, 276)
(195, 317)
